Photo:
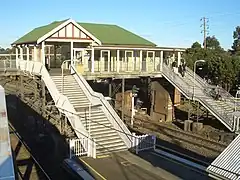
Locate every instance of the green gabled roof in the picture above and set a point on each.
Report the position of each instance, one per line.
(106, 33)
(115, 35)
(37, 33)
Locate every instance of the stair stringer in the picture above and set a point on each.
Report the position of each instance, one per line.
(98, 99)
(61, 101)
(188, 94)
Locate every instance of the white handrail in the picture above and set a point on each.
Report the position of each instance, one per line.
(180, 84)
(59, 99)
(107, 108)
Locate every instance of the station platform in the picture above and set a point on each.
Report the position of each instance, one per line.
(128, 166)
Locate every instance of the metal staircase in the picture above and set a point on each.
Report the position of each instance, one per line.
(222, 110)
(94, 119)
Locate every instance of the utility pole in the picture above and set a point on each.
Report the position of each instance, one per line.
(205, 30)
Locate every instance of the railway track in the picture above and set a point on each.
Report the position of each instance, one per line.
(26, 165)
(177, 136)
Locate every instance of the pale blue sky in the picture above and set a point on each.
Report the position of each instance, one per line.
(165, 22)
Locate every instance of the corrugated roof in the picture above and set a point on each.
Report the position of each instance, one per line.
(37, 33)
(227, 164)
(110, 34)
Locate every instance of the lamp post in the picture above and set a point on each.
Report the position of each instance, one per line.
(194, 75)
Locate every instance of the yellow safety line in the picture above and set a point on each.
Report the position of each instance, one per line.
(93, 169)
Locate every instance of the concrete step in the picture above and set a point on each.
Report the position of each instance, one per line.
(92, 114)
(69, 87)
(80, 105)
(97, 134)
(70, 77)
(97, 122)
(67, 84)
(111, 141)
(79, 102)
(107, 148)
(111, 150)
(106, 136)
(74, 93)
(77, 98)
(98, 128)
(59, 78)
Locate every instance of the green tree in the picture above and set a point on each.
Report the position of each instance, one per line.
(236, 41)
(196, 45)
(220, 67)
(213, 43)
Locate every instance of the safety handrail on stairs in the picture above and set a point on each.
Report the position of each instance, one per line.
(115, 120)
(228, 98)
(60, 100)
(206, 85)
(180, 84)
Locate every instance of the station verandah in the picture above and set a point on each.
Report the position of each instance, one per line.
(99, 55)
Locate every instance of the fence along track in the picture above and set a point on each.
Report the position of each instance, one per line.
(178, 134)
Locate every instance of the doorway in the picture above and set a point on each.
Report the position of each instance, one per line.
(105, 54)
(128, 58)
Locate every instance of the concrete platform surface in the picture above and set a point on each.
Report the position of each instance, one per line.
(146, 166)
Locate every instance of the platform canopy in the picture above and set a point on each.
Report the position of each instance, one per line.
(101, 34)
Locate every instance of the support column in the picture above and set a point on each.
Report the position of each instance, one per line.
(34, 53)
(161, 60)
(21, 87)
(133, 60)
(36, 90)
(71, 55)
(43, 98)
(110, 88)
(17, 63)
(101, 62)
(140, 61)
(21, 52)
(118, 63)
(123, 98)
(27, 48)
(55, 55)
(109, 59)
(179, 58)
(174, 56)
(43, 53)
(92, 60)
(16, 52)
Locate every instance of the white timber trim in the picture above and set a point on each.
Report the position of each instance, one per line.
(118, 63)
(179, 58)
(125, 59)
(153, 53)
(21, 52)
(65, 24)
(68, 40)
(43, 53)
(138, 48)
(35, 54)
(161, 60)
(92, 59)
(140, 60)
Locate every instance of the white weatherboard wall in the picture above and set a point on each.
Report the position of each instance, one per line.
(6, 159)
